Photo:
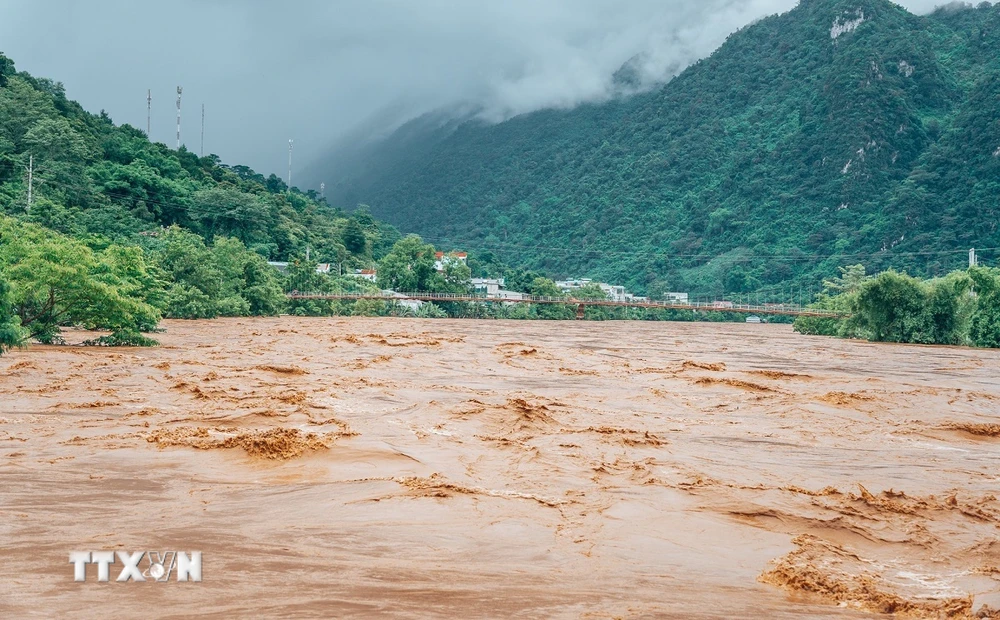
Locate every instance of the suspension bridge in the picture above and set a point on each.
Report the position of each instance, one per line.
(581, 304)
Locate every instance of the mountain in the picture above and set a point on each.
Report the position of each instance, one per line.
(92, 178)
(842, 131)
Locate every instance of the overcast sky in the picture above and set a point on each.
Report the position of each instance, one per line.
(270, 70)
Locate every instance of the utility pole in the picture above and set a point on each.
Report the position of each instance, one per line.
(179, 91)
(289, 165)
(149, 110)
(31, 178)
(203, 130)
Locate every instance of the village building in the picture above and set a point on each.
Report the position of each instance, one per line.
(365, 274)
(493, 288)
(441, 259)
(282, 266)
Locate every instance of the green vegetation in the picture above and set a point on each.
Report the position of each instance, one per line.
(120, 231)
(11, 334)
(756, 170)
(55, 280)
(225, 279)
(783, 155)
(961, 308)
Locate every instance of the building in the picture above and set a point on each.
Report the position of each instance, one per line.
(365, 274)
(491, 287)
(571, 285)
(676, 298)
(282, 266)
(614, 293)
(441, 259)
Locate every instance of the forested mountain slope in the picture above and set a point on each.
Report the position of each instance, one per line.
(842, 131)
(101, 228)
(92, 178)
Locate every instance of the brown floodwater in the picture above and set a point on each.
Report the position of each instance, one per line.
(354, 467)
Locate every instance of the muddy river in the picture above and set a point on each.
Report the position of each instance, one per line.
(355, 467)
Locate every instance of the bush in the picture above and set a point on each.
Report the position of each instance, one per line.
(124, 338)
(895, 307)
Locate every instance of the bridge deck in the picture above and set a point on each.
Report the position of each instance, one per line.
(767, 309)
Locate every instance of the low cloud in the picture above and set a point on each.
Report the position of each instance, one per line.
(314, 70)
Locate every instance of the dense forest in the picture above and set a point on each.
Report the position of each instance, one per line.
(843, 131)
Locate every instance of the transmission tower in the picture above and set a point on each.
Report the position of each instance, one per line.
(179, 91)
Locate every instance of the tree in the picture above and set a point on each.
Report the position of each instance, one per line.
(247, 275)
(408, 267)
(354, 238)
(544, 287)
(6, 69)
(229, 212)
(454, 277)
(196, 281)
(53, 139)
(593, 292)
(11, 333)
(851, 278)
(985, 324)
(225, 279)
(888, 308)
(895, 307)
(58, 281)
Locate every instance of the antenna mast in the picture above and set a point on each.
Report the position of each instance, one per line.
(149, 109)
(31, 178)
(179, 91)
(289, 165)
(203, 130)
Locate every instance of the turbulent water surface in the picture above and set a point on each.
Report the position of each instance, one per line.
(355, 467)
